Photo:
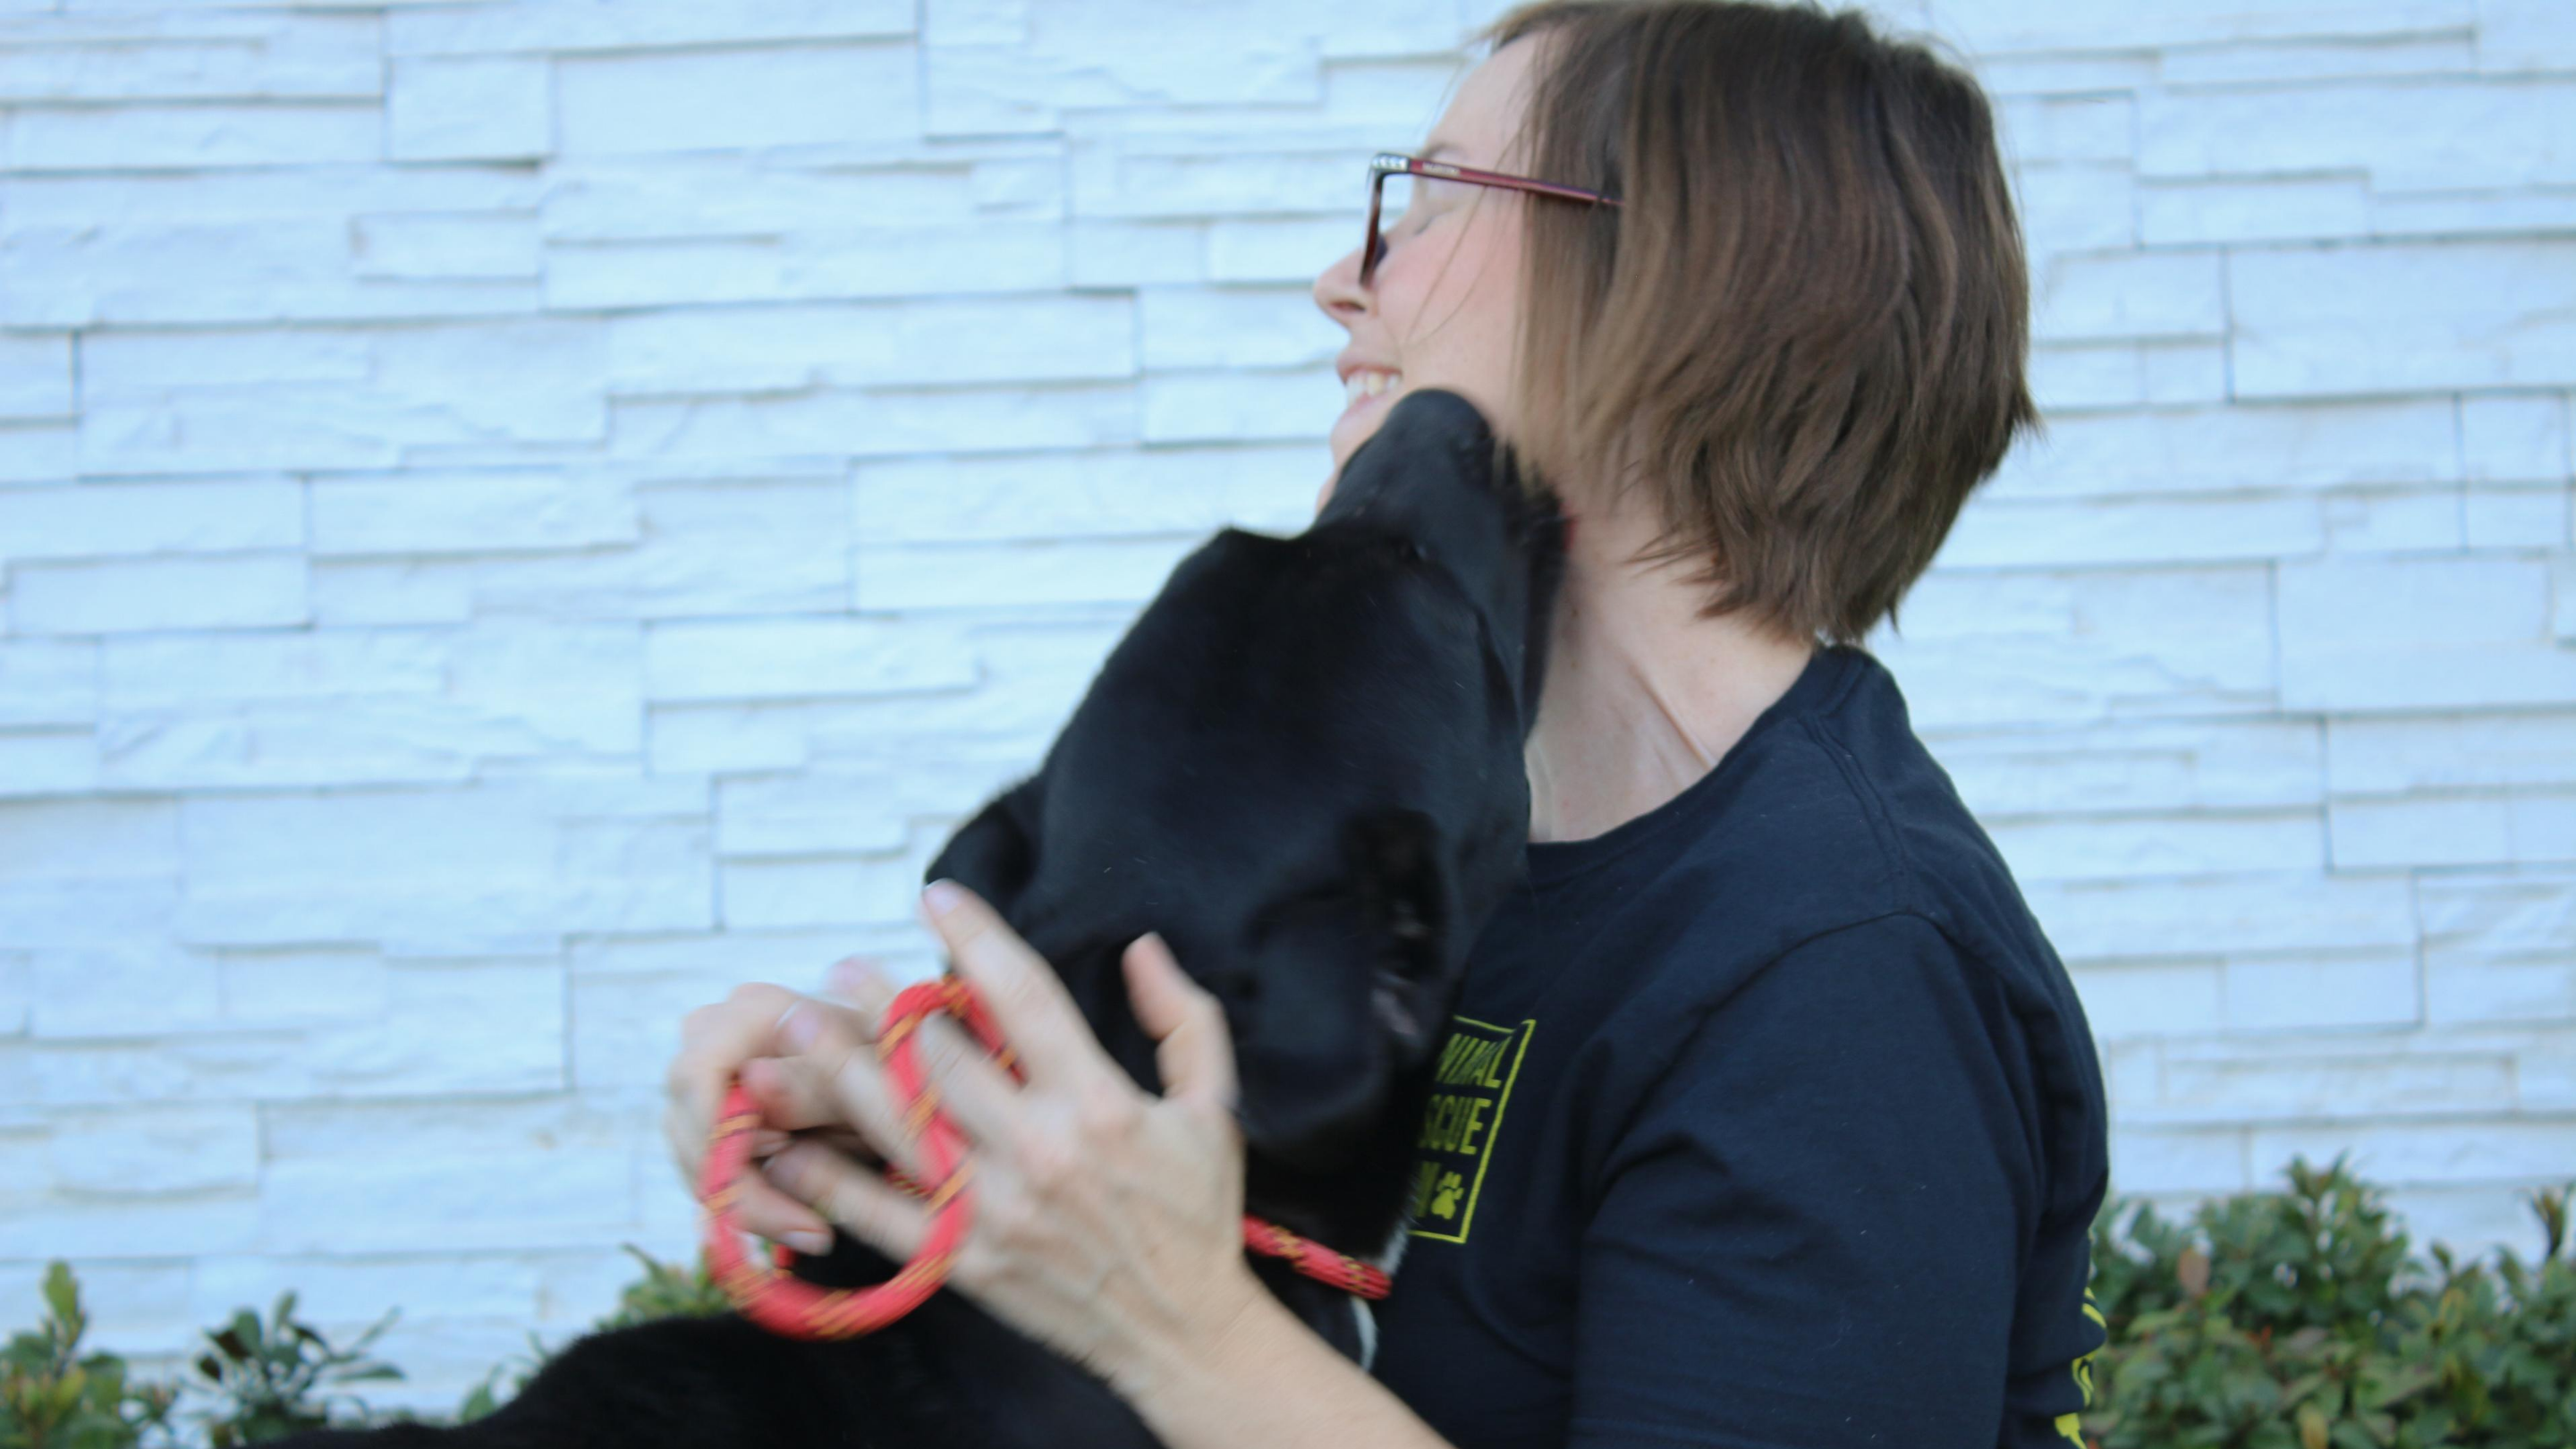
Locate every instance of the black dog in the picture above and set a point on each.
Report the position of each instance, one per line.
(1303, 767)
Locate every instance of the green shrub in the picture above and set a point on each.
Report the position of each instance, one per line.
(2284, 1320)
(53, 1396)
(2298, 1320)
(273, 1379)
(266, 1380)
(666, 1290)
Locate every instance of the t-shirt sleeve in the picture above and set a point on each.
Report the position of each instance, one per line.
(1810, 1230)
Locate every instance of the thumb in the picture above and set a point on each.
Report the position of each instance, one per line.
(1192, 1048)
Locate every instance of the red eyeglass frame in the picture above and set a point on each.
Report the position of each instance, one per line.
(1389, 163)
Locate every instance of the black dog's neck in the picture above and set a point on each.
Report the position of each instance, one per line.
(1356, 1210)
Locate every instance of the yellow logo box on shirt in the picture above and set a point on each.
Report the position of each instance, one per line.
(1470, 1088)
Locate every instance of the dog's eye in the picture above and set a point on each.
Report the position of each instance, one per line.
(1412, 549)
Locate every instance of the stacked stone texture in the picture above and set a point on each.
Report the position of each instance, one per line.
(517, 517)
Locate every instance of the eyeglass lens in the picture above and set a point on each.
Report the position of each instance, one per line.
(1394, 197)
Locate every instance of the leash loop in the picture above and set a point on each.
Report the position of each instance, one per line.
(797, 1309)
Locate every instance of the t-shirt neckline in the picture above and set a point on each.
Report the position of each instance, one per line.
(1552, 861)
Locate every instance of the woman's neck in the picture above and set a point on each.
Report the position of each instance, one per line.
(1642, 696)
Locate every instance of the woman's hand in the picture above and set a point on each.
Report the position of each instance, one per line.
(1108, 1221)
(743, 1036)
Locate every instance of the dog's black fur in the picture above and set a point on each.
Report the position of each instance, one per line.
(1303, 767)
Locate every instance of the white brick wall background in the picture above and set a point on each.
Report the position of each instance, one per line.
(516, 517)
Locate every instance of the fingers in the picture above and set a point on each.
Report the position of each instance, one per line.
(762, 1210)
(735, 1038)
(1029, 1004)
(974, 1090)
(862, 982)
(768, 1142)
(1193, 1050)
(791, 1093)
(837, 1077)
(715, 1041)
(837, 1080)
(758, 1207)
(874, 1211)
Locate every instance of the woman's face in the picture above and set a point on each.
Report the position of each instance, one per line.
(1440, 309)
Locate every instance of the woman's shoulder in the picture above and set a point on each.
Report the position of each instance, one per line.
(1835, 821)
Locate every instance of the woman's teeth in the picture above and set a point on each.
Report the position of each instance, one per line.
(1365, 384)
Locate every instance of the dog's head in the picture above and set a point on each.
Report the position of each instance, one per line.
(1429, 477)
(1303, 767)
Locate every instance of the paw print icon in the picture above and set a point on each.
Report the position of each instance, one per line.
(1444, 1198)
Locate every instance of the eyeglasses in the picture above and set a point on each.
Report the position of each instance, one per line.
(1404, 168)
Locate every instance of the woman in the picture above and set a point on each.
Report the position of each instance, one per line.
(1778, 1121)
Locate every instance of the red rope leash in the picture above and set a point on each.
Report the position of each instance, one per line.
(794, 1307)
(798, 1309)
(1313, 1259)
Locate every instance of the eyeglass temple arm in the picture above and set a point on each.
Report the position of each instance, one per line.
(1416, 166)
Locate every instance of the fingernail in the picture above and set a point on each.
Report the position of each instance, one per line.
(797, 1026)
(809, 1243)
(942, 896)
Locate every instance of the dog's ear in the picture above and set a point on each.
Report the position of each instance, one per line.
(1354, 984)
(995, 854)
(1403, 888)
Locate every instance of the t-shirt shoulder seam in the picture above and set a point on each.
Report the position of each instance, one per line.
(1903, 882)
(1892, 913)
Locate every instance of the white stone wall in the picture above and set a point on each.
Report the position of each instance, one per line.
(516, 517)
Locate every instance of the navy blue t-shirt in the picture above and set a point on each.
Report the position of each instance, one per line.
(1768, 1118)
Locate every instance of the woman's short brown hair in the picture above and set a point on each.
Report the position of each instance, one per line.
(1805, 329)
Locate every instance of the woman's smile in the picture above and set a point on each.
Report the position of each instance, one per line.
(1369, 387)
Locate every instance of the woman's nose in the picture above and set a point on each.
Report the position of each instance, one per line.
(1338, 291)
